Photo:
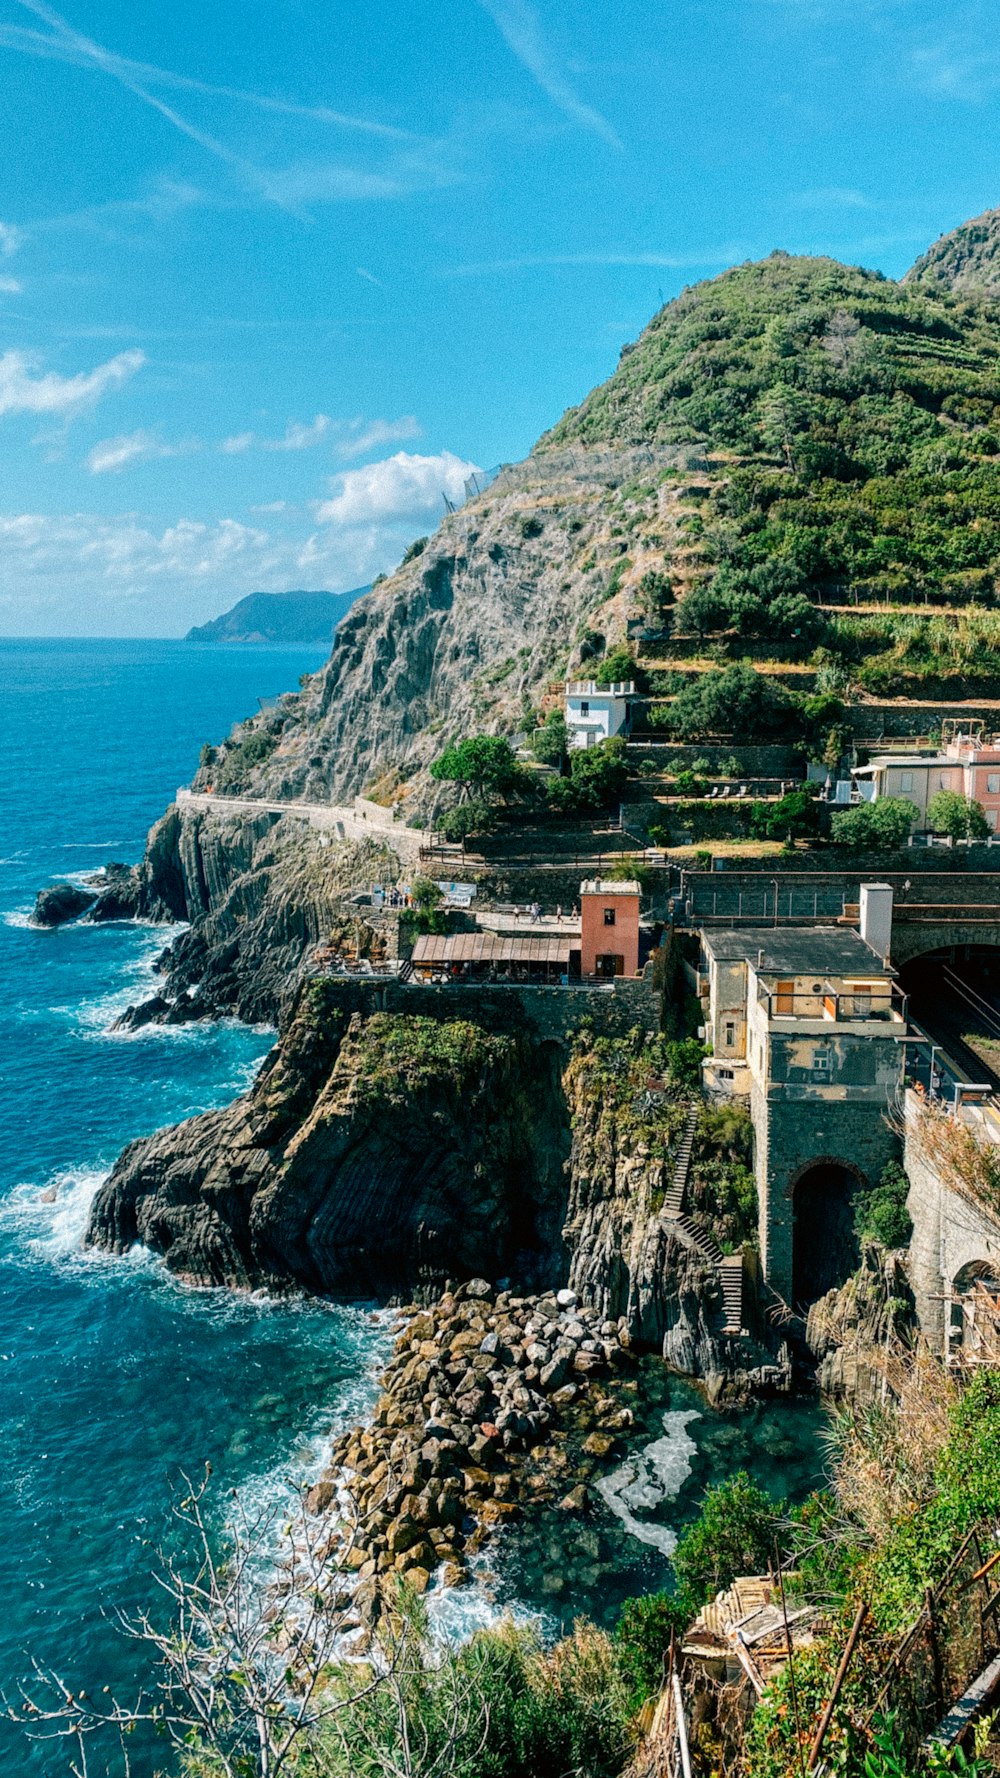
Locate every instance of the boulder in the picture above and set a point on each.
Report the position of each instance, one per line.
(61, 902)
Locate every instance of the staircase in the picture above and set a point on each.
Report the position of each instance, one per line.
(673, 1202)
(728, 1267)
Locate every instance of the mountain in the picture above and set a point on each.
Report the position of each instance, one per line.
(782, 443)
(966, 260)
(279, 617)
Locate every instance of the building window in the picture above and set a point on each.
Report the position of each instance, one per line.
(993, 784)
(991, 817)
(584, 707)
(609, 916)
(822, 1062)
(730, 1037)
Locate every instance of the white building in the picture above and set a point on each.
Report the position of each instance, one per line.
(595, 713)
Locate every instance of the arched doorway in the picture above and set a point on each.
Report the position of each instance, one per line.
(825, 1248)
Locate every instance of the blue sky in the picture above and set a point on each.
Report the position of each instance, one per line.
(274, 274)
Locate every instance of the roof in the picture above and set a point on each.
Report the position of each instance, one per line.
(813, 950)
(494, 947)
(597, 886)
(906, 760)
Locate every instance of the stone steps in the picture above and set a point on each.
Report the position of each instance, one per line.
(673, 1202)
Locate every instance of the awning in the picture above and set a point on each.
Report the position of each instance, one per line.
(494, 947)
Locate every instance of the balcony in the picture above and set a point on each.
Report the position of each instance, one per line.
(833, 1005)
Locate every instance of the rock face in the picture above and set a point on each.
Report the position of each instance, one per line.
(261, 892)
(849, 1330)
(389, 1154)
(631, 1261)
(965, 261)
(61, 902)
(373, 1156)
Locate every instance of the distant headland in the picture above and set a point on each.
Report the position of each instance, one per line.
(279, 617)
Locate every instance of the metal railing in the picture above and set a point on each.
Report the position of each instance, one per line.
(835, 1005)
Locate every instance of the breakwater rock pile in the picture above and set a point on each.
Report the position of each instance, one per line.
(491, 1401)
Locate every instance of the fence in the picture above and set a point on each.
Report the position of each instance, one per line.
(955, 1637)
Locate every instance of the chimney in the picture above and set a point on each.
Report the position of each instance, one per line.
(876, 917)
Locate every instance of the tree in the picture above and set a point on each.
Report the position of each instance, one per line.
(550, 742)
(244, 1669)
(484, 766)
(618, 663)
(880, 826)
(737, 701)
(794, 817)
(958, 816)
(734, 1534)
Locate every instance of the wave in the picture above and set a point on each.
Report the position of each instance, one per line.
(49, 1221)
(650, 1477)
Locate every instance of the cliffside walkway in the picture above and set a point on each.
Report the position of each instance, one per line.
(363, 820)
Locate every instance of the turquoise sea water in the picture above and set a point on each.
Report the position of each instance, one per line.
(113, 1378)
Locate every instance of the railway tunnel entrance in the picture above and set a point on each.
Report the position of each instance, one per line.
(954, 995)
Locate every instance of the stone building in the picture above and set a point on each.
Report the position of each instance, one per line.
(609, 928)
(807, 1025)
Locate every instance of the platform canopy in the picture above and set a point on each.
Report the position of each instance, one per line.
(494, 947)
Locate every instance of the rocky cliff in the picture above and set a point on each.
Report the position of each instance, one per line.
(261, 892)
(373, 1156)
(387, 1154)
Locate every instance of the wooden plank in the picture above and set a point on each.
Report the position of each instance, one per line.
(967, 1707)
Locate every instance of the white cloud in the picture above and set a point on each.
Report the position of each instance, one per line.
(10, 239)
(363, 437)
(11, 286)
(23, 393)
(270, 506)
(114, 454)
(86, 574)
(298, 436)
(521, 30)
(397, 488)
(831, 197)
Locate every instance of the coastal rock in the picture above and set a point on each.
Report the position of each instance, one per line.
(373, 1155)
(470, 1484)
(60, 903)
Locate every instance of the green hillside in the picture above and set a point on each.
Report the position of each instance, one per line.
(849, 431)
(967, 259)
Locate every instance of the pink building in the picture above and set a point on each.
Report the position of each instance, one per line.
(609, 929)
(968, 764)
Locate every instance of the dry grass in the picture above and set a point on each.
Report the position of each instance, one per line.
(965, 1163)
(887, 1451)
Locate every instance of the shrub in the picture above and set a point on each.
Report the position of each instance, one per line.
(959, 816)
(880, 1212)
(598, 776)
(239, 762)
(461, 823)
(415, 549)
(618, 663)
(880, 826)
(794, 817)
(642, 1639)
(736, 701)
(734, 1534)
(550, 742)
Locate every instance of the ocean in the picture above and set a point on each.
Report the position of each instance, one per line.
(116, 1381)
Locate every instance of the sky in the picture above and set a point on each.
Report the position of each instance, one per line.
(276, 276)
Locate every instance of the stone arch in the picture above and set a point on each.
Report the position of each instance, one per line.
(825, 1248)
(974, 1299)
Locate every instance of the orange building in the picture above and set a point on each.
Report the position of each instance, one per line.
(609, 929)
